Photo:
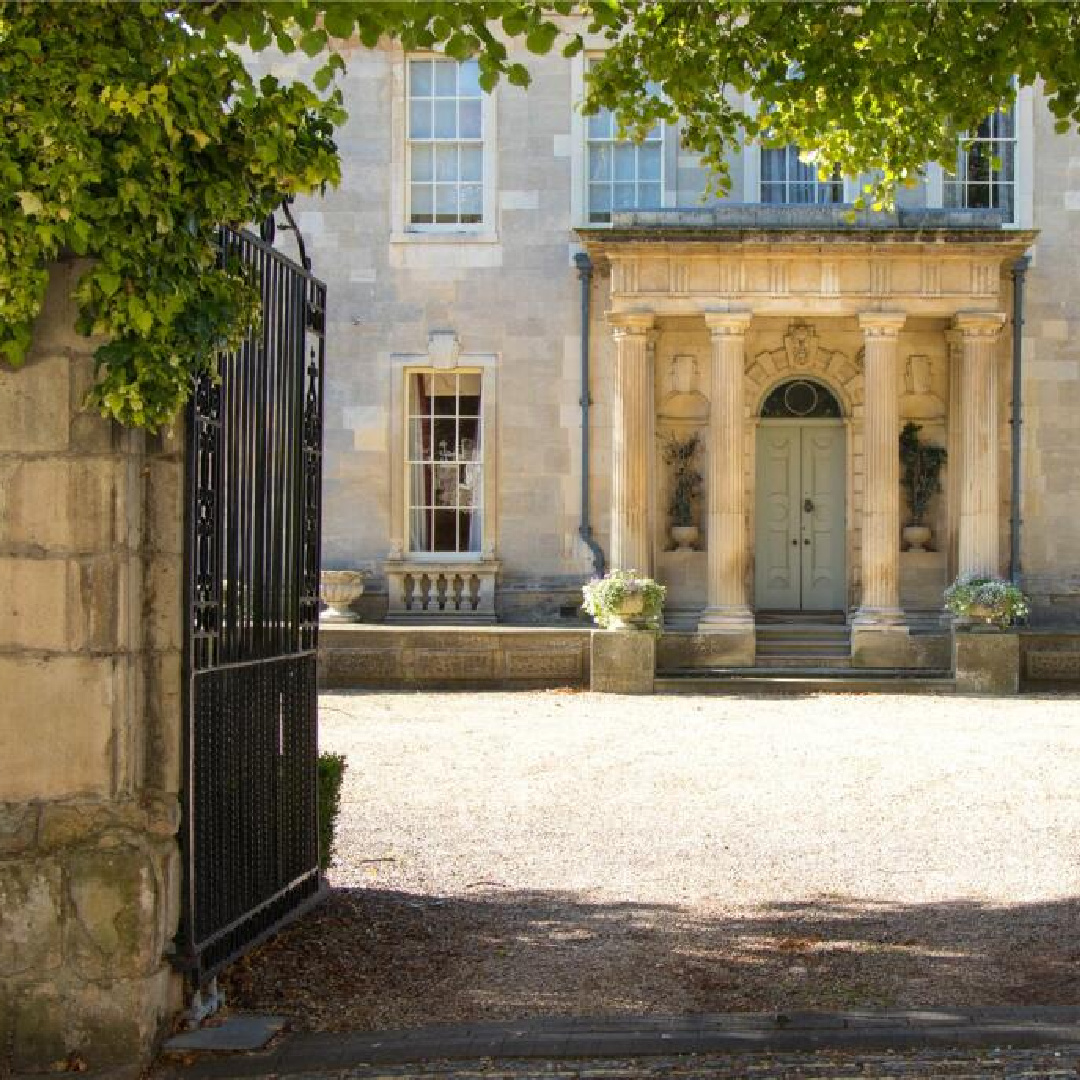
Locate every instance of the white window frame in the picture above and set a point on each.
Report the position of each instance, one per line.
(579, 141)
(476, 506)
(751, 154)
(443, 358)
(1023, 184)
(815, 180)
(405, 231)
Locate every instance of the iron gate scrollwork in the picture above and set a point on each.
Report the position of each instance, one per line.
(254, 464)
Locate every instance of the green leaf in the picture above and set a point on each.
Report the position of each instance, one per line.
(541, 38)
(339, 22)
(108, 283)
(313, 41)
(517, 75)
(30, 202)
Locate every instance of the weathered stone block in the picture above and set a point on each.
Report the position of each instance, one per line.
(113, 911)
(34, 406)
(165, 505)
(622, 661)
(34, 604)
(881, 647)
(113, 1023)
(56, 727)
(65, 505)
(986, 662)
(161, 603)
(30, 914)
(692, 650)
(18, 828)
(161, 734)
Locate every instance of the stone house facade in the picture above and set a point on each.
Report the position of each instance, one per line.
(485, 253)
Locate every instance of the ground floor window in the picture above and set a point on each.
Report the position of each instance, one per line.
(444, 461)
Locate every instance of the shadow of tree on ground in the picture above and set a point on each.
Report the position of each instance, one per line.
(372, 959)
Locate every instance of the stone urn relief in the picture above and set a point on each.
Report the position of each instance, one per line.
(339, 590)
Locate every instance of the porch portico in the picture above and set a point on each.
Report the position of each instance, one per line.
(711, 313)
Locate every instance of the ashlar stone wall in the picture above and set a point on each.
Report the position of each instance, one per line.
(90, 558)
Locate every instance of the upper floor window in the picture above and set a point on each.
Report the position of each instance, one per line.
(786, 179)
(445, 154)
(985, 175)
(444, 459)
(622, 175)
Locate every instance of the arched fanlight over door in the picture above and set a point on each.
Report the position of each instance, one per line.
(801, 399)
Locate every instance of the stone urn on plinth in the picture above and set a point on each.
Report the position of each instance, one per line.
(339, 590)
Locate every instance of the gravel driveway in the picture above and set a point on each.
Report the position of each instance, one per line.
(509, 855)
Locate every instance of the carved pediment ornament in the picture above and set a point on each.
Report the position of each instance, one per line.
(800, 343)
(801, 350)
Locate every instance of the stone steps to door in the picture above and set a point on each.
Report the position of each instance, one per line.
(819, 679)
(795, 644)
(768, 619)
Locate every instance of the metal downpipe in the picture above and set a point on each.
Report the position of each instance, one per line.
(585, 272)
(1019, 270)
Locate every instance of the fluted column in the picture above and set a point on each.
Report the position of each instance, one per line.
(727, 610)
(631, 444)
(954, 456)
(978, 538)
(881, 448)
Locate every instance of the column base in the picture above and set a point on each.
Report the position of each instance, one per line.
(880, 645)
(870, 618)
(726, 620)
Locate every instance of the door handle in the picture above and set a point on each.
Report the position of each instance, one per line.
(807, 542)
(808, 505)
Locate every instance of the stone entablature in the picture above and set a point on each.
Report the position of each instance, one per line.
(923, 272)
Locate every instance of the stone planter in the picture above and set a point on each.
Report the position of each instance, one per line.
(916, 537)
(685, 537)
(627, 616)
(986, 661)
(338, 590)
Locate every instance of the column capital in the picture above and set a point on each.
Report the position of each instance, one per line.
(728, 323)
(630, 322)
(881, 323)
(979, 323)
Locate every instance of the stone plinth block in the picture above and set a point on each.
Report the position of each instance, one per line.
(986, 662)
(623, 662)
(881, 647)
(732, 649)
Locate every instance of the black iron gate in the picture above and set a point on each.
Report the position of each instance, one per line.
(252, 576)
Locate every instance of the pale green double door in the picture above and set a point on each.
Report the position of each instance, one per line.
(800, 516)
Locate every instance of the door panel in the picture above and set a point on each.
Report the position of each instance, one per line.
(800, 521)
(823, 526)
(777, 566)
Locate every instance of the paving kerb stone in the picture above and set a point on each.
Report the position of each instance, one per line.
(579, 1038)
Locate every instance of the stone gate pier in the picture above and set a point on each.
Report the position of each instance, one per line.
(90, 639)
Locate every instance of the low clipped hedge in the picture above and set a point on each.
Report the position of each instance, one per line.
(331, 773)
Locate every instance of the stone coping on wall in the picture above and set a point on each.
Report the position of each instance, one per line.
(779, 216)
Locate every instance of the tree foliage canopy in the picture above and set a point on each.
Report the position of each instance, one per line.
(128, 132)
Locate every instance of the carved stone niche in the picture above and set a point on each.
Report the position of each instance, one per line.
(684, 400)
